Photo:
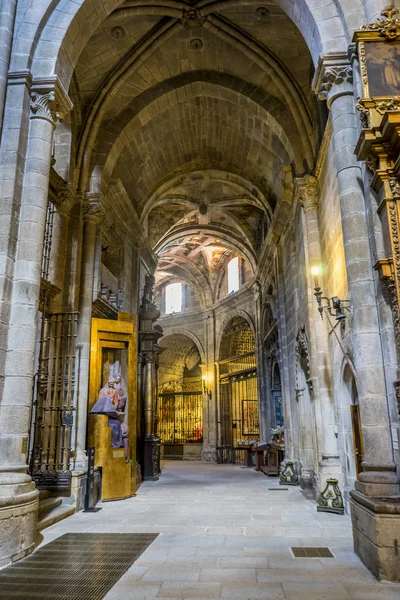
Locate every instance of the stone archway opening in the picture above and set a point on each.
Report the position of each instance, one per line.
(179, 398)
(238, 414)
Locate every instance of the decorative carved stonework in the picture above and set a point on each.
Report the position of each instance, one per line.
(395, 188)
(336, 76)
(192, 19)
(364, 114)
(308, 192)
(388, 27)
(371, 162)
(330, 499)
(92, 209)
(303, 353)
(43, 106)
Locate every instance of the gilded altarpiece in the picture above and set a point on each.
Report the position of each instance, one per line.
(112, 387)
(378, 50)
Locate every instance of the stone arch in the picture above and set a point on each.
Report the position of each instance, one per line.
(60, 35)
(223, 326)
(187, 333)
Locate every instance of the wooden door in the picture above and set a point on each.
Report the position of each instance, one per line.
(357, 437)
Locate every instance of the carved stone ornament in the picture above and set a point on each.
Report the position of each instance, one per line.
(192, 19)
(395, 188)
(336, 76)
(303, 353)
(331, 500)
(308, 194)
(43, 106)
(364, 114)
(391, 104)
(388, 27)
(289, 475)
(371, 162)
(92, 209)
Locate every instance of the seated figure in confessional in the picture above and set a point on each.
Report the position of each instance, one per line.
(112, 402)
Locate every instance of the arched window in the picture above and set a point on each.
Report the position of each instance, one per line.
(173, 298)
(233, 275)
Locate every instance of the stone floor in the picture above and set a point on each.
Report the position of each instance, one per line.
(224, 534)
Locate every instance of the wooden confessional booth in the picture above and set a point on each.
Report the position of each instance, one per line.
(113, 353)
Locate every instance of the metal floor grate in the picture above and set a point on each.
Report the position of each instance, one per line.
(281, 489)
(305, 552)
(75, 566)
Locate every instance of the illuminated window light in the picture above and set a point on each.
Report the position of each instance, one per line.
(233, 275)
(173, 298)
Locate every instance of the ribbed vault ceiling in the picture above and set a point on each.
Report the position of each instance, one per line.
(195, 119)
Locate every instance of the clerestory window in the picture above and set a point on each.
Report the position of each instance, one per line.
(233, 275)
(173, 298)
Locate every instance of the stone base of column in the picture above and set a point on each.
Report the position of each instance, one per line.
(209, 454)
(376, 532)
(19, 503)
(151, 458)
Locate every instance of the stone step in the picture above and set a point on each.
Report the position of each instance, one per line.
(55, 515)
(43, 494)
(46, 505)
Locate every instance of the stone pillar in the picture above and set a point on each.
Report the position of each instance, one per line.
(18, 496)
(327, 450)
(209, 450)
(91, 217)
(149, 334)
(376, 526)
(7, 19)
(337, 82)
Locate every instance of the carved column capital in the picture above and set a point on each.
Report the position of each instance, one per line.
(92, 210)
(49, 100)
(307, 189)
(333, 78)
(67, 199)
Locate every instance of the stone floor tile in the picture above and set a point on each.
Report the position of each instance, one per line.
(255, 591)
(315, 591)
(241, 562)
(219, 551)
(225, 574)
(185, 589)
(284, 575)
(176, 572)
(379, 591)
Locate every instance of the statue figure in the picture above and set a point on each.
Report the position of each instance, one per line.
(112, 402)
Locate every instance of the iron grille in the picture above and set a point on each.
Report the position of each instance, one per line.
(181, 417)
(53, 409)
(48, 236)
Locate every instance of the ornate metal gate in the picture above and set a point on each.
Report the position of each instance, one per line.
(52, 414)
(181, 417)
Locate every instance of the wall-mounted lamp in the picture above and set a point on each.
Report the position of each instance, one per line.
(205, 389)
(335, 306)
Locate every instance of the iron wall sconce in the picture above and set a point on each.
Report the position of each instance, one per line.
(335, 306)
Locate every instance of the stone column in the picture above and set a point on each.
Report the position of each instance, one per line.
(327, 450)
(18, 496)
(91, 218)
(376, 524)
(378, 477)
(7, 19)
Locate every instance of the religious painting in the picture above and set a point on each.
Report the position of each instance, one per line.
(278, 408)
(383, 68)
(250, 422)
